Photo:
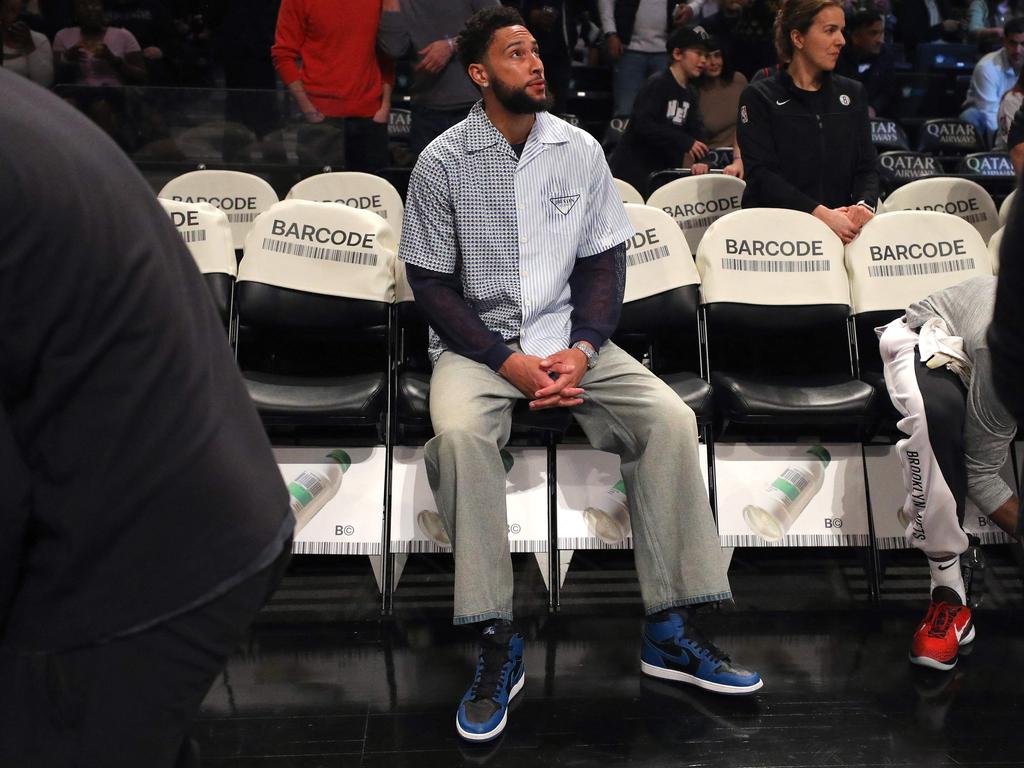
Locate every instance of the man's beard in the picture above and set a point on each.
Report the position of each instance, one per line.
(518, 101)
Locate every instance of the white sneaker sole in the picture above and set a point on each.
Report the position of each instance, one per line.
(684, 677)
(943, 666)
(478, 737)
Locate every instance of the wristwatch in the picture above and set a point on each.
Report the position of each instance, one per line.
(589, 351)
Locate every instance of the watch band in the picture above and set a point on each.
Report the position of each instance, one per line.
(588, 351)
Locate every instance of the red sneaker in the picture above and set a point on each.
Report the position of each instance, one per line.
(945, 628)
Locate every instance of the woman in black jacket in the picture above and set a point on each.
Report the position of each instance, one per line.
(804, 132)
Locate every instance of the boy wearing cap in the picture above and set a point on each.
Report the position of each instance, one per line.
(666, 129)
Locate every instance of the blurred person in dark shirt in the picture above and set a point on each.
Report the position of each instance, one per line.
(867, 59)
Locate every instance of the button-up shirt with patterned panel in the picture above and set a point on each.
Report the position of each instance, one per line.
(512, 228)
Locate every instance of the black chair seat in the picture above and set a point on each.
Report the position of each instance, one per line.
(530, 427)
(694, 391)
(883, 403)
(220, 287)
(808, 400)
(355, 399)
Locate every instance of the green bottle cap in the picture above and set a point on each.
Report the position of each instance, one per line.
(507, 460)
(821, 453)
(342, 458)
(620, 487)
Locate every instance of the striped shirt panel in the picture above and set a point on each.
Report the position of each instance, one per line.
(512, 228)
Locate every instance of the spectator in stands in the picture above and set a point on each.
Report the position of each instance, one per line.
(25, 51)
(938, 373)
(340, 89)
(152, 25)
(986, 18)
(442, 92)
(1009, 106)
(1015, 142)
(805, 132)
(553, 23)
(514, 244)
(636, 32)
(994, 74)
(867, 59)
(145, 521)
(719, 88)
(666, 129)
(96, 54)
(746, 27)
(926, 21)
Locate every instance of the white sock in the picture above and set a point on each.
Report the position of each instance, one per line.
(946, 573)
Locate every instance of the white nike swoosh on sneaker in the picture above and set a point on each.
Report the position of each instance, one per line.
(960, 632)
(780, 103)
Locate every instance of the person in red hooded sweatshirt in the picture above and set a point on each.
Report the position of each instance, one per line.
(326, 53)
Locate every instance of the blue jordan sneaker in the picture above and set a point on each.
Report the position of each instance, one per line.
(500, 674)
(674, 649)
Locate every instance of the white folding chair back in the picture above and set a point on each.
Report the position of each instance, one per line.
(657, 256)
(772, 257)
(324, 248)
(628, 193)
(242, 196)
(1004, 209)
(946, 194)
(358, 190)
(993, 249)
(696, 202)
(903, 256)
(207, 234)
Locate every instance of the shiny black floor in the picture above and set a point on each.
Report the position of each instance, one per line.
(319, 683)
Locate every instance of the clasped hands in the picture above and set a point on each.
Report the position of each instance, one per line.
(551, 382)
(846, 221)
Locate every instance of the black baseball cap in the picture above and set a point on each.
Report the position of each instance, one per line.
(688, 37)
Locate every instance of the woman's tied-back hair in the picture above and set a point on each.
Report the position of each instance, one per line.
(798, 15)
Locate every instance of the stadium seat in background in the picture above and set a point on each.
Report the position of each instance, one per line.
(613, 134)
(948, 194)
(696, 202)
(888, 135)
(628, 193)
(313, 302)
(775, 302)
(897, 259)
(994, 164)
(242, 196)
(355, 189)
(1004, 209)
(207, 234)
(946, 57)
(897, 168)
(949, 137)
(993, 249)
(718, 157)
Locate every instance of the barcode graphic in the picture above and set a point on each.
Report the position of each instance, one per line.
(900, 542)
(807, 540)
(975, 218)
(242, 217)
(194, 235)
(798, 479)
(755, 265)
(310, 482)
(892, 542)
(526, 545)
(592, 542)
(317, 252)
(336, 547)
(703, 221)
(645, 257)
(917, 269)
(417, 547)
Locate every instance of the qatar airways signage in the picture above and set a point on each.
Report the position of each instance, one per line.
(952, 133)
(908, 166)
(886, 133)
(989, 165)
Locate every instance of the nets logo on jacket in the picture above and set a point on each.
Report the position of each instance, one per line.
(677, 112)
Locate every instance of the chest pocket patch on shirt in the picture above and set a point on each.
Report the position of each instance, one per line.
(565, 203)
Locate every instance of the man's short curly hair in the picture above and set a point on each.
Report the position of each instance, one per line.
(476, 36)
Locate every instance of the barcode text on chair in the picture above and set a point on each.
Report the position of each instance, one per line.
(775, 265)
(646, 257)
(918, 268)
